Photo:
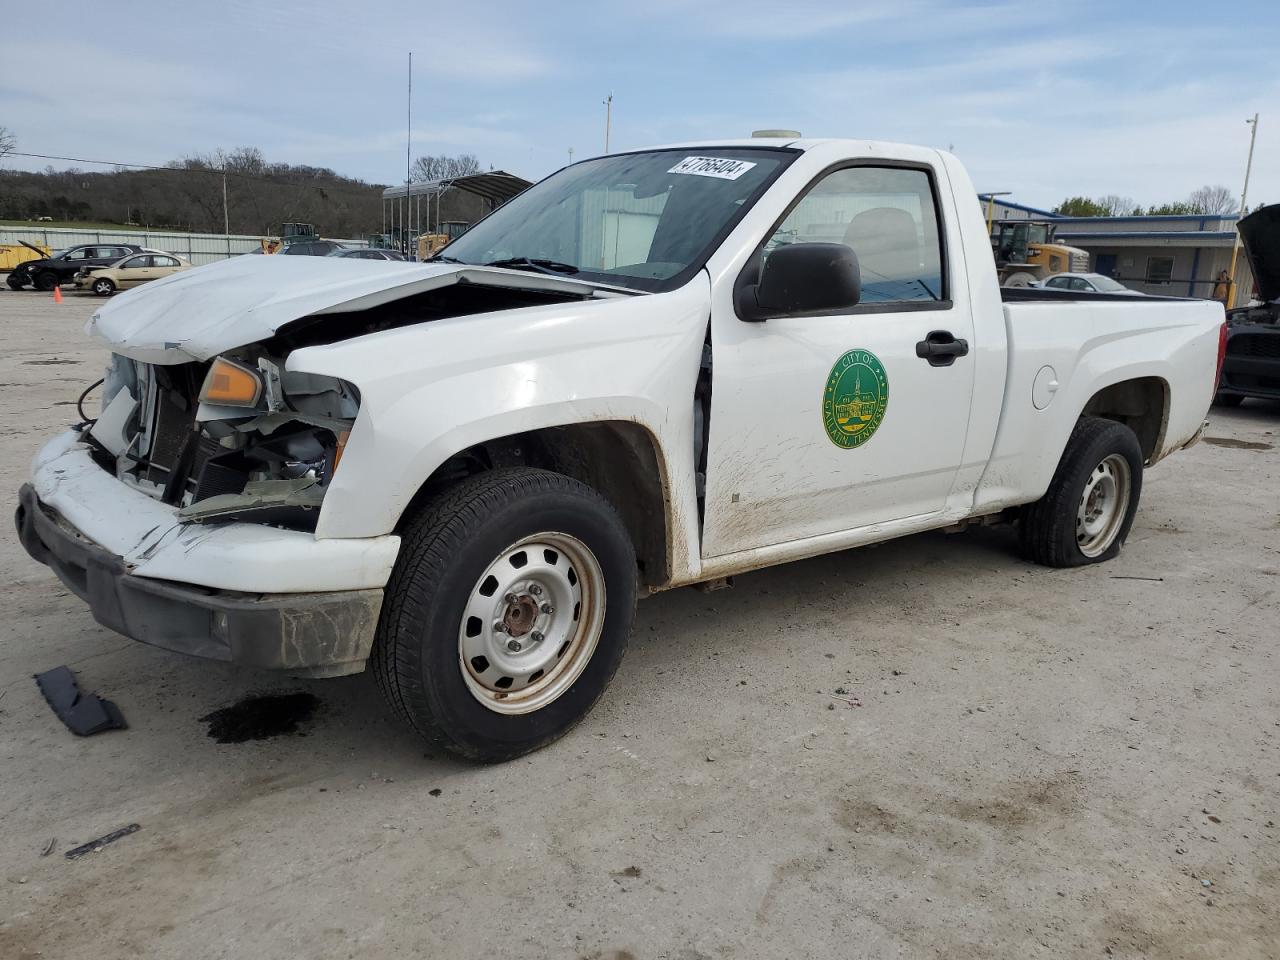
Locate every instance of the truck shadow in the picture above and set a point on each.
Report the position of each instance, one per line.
(302, 722)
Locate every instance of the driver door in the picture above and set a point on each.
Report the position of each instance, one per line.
(832, 422)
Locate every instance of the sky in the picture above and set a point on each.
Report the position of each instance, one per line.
(1145, 100)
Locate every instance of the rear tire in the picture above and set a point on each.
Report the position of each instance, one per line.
(507, 613)
(1227, 400)
(1085, 515)
(46, 281)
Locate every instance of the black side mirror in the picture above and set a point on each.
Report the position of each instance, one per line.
(802, 278)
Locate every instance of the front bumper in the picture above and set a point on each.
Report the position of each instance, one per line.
(307, 634)
(243, 592)
(1251, 367)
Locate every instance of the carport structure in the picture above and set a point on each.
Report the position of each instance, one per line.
(447, 206)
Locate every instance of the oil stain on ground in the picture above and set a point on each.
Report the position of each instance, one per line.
(261, 717)
(1235, 444)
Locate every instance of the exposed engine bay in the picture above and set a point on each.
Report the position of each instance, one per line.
(239, 437)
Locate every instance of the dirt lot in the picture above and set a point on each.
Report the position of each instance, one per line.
(1024, 762)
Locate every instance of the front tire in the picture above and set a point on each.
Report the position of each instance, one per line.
(507, 613)
(104, 287)
(1085, 515)
(46, 281)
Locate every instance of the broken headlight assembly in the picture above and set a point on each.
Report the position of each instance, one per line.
(239, 438)
(281, 436)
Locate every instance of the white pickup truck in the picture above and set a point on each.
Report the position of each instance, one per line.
(652, 369)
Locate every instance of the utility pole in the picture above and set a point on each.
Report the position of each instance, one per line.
(1244, 197)
(571, 156)
(226, 219)
(608, 119)
(408, 148)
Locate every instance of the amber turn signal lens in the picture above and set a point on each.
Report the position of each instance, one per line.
(231, 384)
(343, 437)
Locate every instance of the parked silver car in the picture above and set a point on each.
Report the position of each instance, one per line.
(1086, 283)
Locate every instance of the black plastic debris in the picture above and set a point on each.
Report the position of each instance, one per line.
(93, 846)
(83, 713)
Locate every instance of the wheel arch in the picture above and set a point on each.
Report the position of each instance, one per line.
(620, 459)
(1141, 404)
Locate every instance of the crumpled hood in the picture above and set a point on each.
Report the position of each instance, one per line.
(197, 314)
(1260, 234)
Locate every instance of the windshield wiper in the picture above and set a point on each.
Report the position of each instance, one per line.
(553, 267)
(440, 258)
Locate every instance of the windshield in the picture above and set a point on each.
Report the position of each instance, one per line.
(643, 220)
(1106, 284)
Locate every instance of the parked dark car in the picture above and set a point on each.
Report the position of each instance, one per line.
(368, 253)
(1251, 367)
(49, 272)
(311, 248)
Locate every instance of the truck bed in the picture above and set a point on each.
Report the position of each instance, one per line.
(1032, 294)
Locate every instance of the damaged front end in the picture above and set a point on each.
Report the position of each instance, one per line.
(235, 438)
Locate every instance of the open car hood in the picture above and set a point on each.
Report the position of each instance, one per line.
(1260, 234)
(197, 314)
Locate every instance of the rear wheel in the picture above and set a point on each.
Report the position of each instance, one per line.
(46, 280)
(507, 613)
(1085, 515)
(103, 287)
(1227, 400)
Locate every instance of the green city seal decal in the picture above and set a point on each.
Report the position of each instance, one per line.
(855, 398)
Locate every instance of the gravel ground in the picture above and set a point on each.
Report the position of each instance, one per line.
(927, 748)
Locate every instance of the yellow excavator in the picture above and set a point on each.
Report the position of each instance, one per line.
(1026, 253)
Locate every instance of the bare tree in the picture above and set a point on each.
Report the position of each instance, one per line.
(8, 140)
(442, 167)
(1116, 206)
(1214, 201)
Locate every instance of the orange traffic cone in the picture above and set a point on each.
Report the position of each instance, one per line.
(57, 294)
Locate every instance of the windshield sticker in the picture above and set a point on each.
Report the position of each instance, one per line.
(718, 167)
(855, 399)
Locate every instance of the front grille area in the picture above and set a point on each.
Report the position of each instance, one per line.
(1266, 345)
(172, 427)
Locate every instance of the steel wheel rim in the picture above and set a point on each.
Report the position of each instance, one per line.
(531, 623)
(1103, 505)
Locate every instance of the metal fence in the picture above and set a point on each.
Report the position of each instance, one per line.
(197, 247)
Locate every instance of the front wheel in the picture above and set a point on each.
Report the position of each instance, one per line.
(1086, 513)
(46, 281)
(104, 287)
(507, 613)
